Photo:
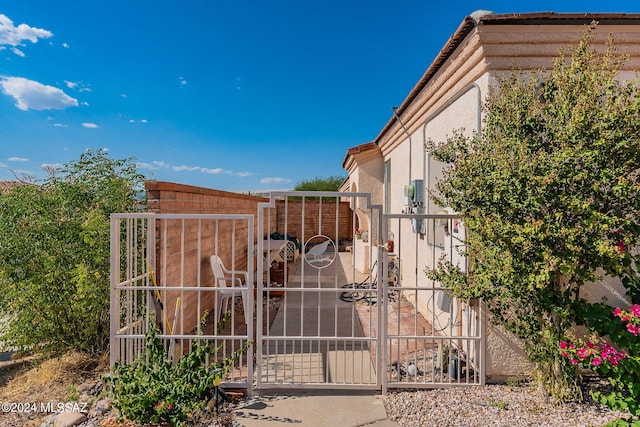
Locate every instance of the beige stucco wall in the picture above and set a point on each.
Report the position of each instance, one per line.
(449, 102)
(366, 173)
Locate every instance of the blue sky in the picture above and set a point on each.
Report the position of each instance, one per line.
(234, 95)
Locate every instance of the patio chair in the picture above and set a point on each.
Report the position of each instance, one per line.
(289, 251)
(230, 285)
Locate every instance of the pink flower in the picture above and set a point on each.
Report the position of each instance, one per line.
(574, 361)
(635, 310)
(563, 345)
(633, 329)
(621, 246)
(596, 361)
(617, 312)
(615, 359)
(170, 406)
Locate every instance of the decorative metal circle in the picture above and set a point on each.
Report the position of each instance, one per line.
(320, 251)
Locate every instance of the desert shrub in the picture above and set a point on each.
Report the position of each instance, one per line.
(155, 389)
(54, 254)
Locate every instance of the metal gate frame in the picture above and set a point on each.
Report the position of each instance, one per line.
(161, 276)
(323, 360)
(452, 357)
(432, 355)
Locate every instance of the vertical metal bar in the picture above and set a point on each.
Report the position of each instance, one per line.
(163, 282)
(258, 279)
(114, 279)
(382, 289)
(199, 278)
(133, 309)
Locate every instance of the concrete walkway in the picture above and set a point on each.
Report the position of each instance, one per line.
(314, 409)
(322, 315)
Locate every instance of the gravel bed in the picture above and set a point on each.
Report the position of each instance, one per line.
(491, 405)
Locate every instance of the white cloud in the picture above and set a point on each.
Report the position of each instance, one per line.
(143, 165)
(18, 52)
(90, 125)
(211, 171)
(84, 103)
(66, 45)
(33, 95)
(60, 125)
(14, 36)
(186, 168)
(183, 81)
(274, 180)
(138, 121)
(18, 159)
(3, 165)
(123, 95)
(214, 171)
(144, 121)
(79, 86)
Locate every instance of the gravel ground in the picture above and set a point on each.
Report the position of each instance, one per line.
(492, 405)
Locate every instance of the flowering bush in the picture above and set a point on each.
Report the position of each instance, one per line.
(154, 389)
(631, 316)
(590, 353)
(621, 369)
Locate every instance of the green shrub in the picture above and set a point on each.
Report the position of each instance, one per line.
(54, 254)
(155, 389)
(621, 368)
(550, 195)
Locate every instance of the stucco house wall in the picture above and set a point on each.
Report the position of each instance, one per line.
(448, 98)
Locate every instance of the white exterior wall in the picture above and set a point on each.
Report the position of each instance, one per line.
(441, 107)
(366, 176)
(460, 112)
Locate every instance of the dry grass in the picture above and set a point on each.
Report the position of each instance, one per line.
(28, 379)
(34, 381)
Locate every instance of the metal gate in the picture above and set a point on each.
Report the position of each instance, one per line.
(347, 301)
(311, 245)
(342, 295)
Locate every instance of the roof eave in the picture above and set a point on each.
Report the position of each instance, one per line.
(470, 22)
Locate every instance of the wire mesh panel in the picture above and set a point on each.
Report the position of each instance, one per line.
(431, 339)
(189, 277)
(310, 336)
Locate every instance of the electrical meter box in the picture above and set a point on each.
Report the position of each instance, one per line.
(418, 190)
(413, 194)
(407, 196)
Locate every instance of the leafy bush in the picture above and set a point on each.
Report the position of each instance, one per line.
(330, 183)
(550, 195)
(155, 389)
(54, 254)
(622, 369)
